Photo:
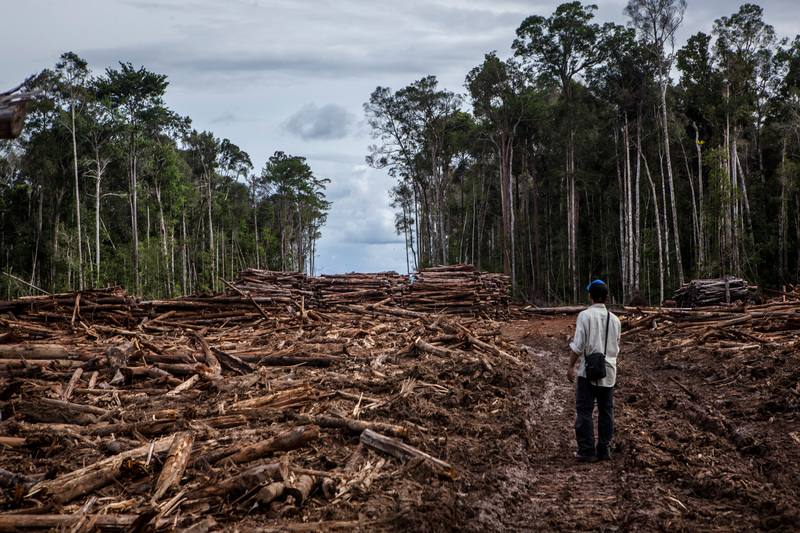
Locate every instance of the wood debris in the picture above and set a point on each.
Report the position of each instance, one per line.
(159, 414)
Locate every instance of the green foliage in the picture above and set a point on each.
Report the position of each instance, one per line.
(162, 208)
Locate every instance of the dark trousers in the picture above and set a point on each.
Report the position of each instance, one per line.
(585, 396)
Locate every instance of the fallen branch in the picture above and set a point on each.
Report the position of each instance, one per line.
(403, 451)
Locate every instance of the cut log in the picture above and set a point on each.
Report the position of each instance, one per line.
(299, 489)
(240, 483)
(69, 486)
(33, 351)
(355, 426)
(233, 363)
(278, 400)
(403, 451)
(289, 440)
(271, 492)
(57, 522)
(177, 459)
(10, 480)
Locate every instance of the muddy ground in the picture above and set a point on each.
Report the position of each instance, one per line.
(703, 442)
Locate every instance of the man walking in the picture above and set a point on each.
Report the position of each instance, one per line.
(597, 330)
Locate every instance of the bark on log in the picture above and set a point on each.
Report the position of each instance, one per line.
(435, 350)
(10, 480)
(177, 459)
(233, 363)
(271, 492)
(403, 451)
(243, 482)
(69, 486)
(103, 522)
(278, 400)
(34, 351)
(299, 489)
(289, 440)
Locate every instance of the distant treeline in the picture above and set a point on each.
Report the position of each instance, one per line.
(107, 186)
(594, 151)
(603, 151)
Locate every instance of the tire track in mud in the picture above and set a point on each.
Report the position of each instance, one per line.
(544, 489)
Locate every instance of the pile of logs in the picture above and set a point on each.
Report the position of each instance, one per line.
(459, 289)
(118, 414)
(774, 326)
(333, 290)
(706, 292)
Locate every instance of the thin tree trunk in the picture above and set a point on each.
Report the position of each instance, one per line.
(695, 220)
(701, 216)
(669, 176)
(782, 220)
(637, 234)
(77, 197)
(623, 233)
(658, 231)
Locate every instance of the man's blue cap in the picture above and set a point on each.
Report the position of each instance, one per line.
(589, 286)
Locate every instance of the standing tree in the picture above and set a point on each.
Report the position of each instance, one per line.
(74, 72)
(496, 88)
(563, 47)
(299, 205)
(657, 21)
(413, 125)
(139, 93)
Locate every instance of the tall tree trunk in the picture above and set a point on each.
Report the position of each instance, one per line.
(184, 254)
(658, 230)
(623, 231)
(211, 247)
(255, 224)
(77, 197)
(663, 84)
(695, 220)
(100, 168)
(537, 246)
(701, 253)
(637, 234)
(782, 220)
(135, 217)
(163, 231)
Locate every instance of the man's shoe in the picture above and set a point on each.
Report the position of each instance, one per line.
(585, 458)
(606, 457)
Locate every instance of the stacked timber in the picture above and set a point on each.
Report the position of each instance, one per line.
(706, 292)
(111, 306)
(354, 288)
(279, 287)
(458, 290)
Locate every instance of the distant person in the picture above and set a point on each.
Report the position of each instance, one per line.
(597, 330)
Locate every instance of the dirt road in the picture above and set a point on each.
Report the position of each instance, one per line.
(701, 445)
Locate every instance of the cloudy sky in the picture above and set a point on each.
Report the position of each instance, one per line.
(293, 75)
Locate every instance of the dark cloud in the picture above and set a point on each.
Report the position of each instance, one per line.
(325, 123)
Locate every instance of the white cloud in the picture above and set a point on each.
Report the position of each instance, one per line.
(324, 123)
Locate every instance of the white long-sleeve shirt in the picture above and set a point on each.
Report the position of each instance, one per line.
(590, 331)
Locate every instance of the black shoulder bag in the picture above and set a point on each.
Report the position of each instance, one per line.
(595, 365)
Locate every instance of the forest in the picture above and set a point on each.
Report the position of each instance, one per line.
(594, 151)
